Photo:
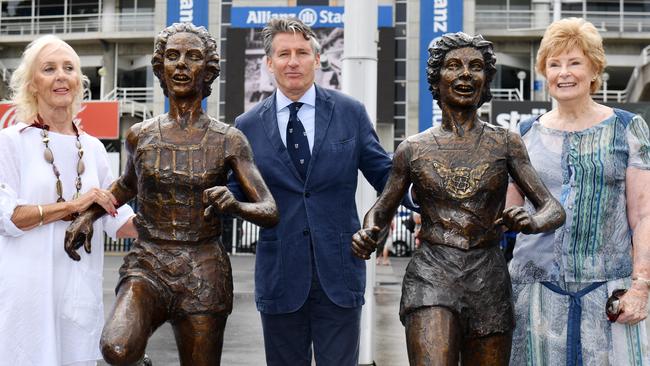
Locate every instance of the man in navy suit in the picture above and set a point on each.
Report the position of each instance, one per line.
(309, 144)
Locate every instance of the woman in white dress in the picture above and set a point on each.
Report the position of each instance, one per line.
(51, 310)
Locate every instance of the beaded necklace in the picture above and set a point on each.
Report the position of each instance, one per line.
(49, 157)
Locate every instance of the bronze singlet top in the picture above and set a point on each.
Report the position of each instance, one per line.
(171, 180)
(464, 196)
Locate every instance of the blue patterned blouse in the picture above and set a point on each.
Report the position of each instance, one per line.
(585, 170)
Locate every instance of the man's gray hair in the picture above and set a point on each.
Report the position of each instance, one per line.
(288, 25)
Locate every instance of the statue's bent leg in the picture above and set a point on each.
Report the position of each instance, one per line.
(200, 339)
(433, 337)
(138, 311)
(492, 350)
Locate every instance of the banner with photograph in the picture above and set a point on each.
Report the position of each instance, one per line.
(327, 23)
(259, 82)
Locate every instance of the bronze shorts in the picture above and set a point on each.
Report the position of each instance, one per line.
(474, 284)
(191, 278)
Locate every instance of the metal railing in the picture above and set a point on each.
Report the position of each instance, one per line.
(121, 244)
(241, 236)
(506, 94)
(133, 101)
(131, 22)
(88, 94)
(498, 19)
(618, 96)
(117, 245)
(135, 109)
(77, 23)
(137, 94)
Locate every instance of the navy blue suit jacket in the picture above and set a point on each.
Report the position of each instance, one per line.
(320, 209)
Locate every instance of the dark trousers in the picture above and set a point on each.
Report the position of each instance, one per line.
(333, 330)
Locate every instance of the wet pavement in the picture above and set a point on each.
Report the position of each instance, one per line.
(243, 341)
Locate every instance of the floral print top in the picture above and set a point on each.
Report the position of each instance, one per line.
(585, 170)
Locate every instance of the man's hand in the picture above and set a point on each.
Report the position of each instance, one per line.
(80, 232)
(364, 242)
(516, 218)
(219, 198)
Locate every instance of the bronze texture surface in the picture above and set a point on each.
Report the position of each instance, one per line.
(177, 168)
(456, 302)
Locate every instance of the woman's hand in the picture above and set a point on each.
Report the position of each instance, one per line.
(30, 216)
(102, 197)
(633, 305)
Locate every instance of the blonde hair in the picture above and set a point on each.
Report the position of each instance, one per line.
(573, 33)
(21, 79)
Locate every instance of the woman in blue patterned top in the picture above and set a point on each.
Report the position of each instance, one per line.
(595, 160)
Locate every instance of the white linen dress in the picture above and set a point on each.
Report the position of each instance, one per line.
(51, 310)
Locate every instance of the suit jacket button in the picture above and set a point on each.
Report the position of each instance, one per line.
(305, 232)
(307, 194)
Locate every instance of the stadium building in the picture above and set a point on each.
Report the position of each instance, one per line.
(114, 39)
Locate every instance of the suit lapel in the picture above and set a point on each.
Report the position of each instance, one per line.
(324, 109)
(269, 119)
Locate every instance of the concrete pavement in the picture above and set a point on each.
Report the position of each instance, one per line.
(243, 343)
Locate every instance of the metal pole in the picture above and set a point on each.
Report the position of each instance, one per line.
(234, 236)
(533, 76)
(621, 13)
(116, 66)
(521, 75)
(360, 81)
(65, 16)
(33, 17)
(101, 87)
(605, 78)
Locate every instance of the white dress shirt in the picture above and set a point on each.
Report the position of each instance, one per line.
(306, 114)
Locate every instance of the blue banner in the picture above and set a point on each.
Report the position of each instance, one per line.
(437, 17)
(313, 16)
(188, 11)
